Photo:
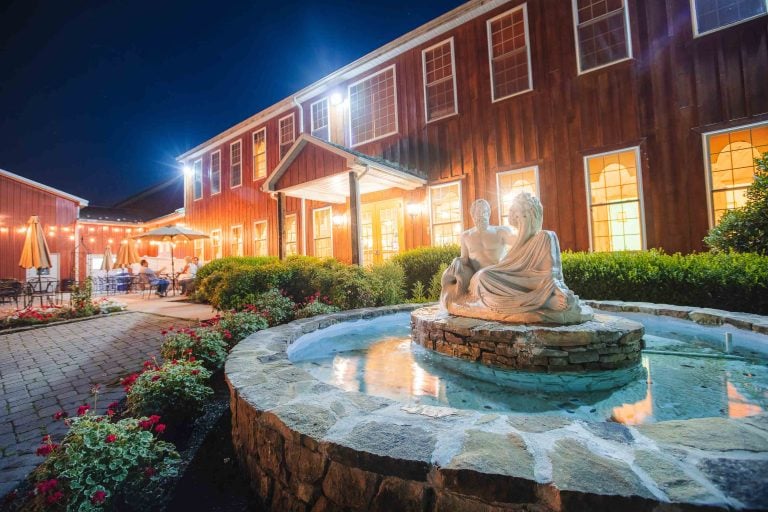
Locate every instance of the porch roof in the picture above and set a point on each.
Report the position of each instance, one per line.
(374, 174)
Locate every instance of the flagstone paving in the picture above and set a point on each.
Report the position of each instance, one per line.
(48, 369)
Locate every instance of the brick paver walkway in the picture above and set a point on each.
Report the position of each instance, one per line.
(49, 369)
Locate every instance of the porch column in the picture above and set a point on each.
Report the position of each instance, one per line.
(354, 218)
(280, 225)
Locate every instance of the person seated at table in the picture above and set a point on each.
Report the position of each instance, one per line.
(162, 284)
(188, 274)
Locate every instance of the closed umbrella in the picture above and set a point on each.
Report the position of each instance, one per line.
(124, 257)
(35, 253)
(172, 234)
(133, 252)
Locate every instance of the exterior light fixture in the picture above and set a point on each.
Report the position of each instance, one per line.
(187, 170)
(413, 209)
(336, 99)
(109, 241)
(71, 237)
(338, 220)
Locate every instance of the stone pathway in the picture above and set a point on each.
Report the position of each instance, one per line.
(49, 369)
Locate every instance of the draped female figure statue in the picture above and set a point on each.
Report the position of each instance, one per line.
(525, 286)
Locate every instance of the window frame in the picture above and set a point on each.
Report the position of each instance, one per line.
(197, 165)
(429, 206)
(285, 232)
(239, 143)
(312, 117)
(630, 55)
(280, 142)
(640, 195)
(198, 246)
(214, 252)
(210, 173)
(518, 170)
(524, 7)
(266, 168)
(695, 20)
(453, 78)
(232, 239)
(314, 230)
(265, 240)
(393, 67)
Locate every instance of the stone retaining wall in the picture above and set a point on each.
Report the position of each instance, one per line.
(605, 343)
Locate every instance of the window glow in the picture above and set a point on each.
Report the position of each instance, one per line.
(445, 201)
(373, 107)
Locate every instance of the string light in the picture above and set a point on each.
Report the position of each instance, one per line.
(91, 239)
(21, 230)
(66, 230)
(105, 228)
(91, 230)
(109, 241)
(3, 229)
(71, 237)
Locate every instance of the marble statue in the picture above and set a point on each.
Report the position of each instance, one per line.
(522, 285)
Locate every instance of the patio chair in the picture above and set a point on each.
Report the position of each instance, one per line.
(10, 291)
(145, 286)
(44, 288)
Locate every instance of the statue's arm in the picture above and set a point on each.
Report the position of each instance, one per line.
(464, 249)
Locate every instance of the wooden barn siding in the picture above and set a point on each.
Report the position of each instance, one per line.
(18, 202)
(675, 88)
(310, 164)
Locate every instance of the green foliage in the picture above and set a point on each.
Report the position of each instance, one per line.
(388, 283)
(232, 262)
(314, 308)
(177, 390)
(422, 263)
(275, 307)
(102, 465)
(239, 325)
(745, 229)
(734, 282)
(418, 293)
(81, 298)
(235, 287)
(205, 344)
(435, 284)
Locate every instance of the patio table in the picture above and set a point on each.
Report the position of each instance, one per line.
(42, 288)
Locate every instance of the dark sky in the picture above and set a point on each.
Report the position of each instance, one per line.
(97, 98)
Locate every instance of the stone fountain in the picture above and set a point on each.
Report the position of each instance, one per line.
(504, 303)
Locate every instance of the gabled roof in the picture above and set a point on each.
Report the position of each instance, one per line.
(45, 188)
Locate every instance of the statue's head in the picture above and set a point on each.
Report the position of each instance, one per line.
(526, 213)
(480, 212)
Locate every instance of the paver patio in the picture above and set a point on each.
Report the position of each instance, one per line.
(48, 369)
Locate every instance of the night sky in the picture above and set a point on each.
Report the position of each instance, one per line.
(98, 98)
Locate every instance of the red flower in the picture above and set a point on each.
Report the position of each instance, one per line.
(145, 425)
(195, 372)
(59, 415)
(227, 334)
(46, 449)
(160, 428)
(128, 381)
(163, 332)
(98, 497)
(113, 405)
(154, 419)
(47, 485)
(149, 471)
(83, 409)
(45, 439)
(174, 361)
(110, 412)
(111, 438)
(155, 378)
(192, 359)
(54, 498)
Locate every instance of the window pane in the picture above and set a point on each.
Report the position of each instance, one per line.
(260, 238)
(286, 134)
(235, 164)
(216, 244)
(509, 54)
(446, 214)
(290, 235)
(512, 183)
(236, 241)
(320, 127)
(260, 154)
(373, 107)
(216, 172)
(439, 81)
(713, 14)
(602, 33)
(197, 169)
(321, 230)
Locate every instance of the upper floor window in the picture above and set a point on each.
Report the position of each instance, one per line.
(731, 162)
(439, 80)
(711, 15)
(215, 172)
(197, 172)
(235, 164)
(320, 124)
(373, 107)
(511, 183)
(509, 53)
(602, 33)
(260, 154)
(445, 214)
(287, 134)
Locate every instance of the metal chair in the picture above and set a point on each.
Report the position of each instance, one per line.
(145, 286)
(10, 291)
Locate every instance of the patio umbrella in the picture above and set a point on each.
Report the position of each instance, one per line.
(127, 254)
(107, 263)
(171, 234)
(35, 253)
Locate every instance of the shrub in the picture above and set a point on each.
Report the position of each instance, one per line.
(231, 262)
(275, 307)
(734, 282)
(236, 326)
(80, 297)
(177, 390)
(236, 287)
(418, 293)
(205, 344)
(102, 465)
(435, 284)
(314, 306)
(745, 229)
(422, 263)
(388, 283)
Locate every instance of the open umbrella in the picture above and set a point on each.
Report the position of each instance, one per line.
(107, 263)
(35, 252)
(171, 234)
(127, 255)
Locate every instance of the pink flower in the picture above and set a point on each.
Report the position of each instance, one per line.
(154, 419)
(160, 428)
(149, 471)
(98, 497)
(83, 409)
(111, 438)
(47, 485)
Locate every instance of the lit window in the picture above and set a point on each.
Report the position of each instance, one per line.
(197, 170)
(731, 159)
(322, 232)
(373, 107)
(236, 241)
(287, 134)
(509, 53)
(235, 164)
(289, 228)
(198, 249)
(613, 182)
(602, 33)
(711, 15)
(216, 244)
(511, 183)
(260, 154)
(445, 201)
(439, 80)
(320, 127)
(216, 172)
(260, 247)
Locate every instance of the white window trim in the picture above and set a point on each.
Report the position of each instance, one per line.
(429, 206)
(695, 21)
(240, 143)
(314, 234)
(210, 173)
(221, 244)
(453, 77)
(397, 116)
(285, 231)
(266, 149)
(242, 238)
(524, 7)
(640, 195)
(266, 233)
(576, 40)
(201, 242)
(312, 115)
(708, 164)
(519, 170)
(194, 179)
(280, 131)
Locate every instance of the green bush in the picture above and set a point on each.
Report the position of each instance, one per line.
(232, 262)
(314, 308)
(177, 390)
(745, 229)
(235, 287)
(422, 263)
(388, 283)
(275, 307)
(205, 344)
(734, 282)
(239, 325)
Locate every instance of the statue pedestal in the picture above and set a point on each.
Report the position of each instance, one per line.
(603, 343)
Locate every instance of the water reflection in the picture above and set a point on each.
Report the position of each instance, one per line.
(639, 412)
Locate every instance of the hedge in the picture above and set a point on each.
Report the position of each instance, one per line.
(423, 263)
